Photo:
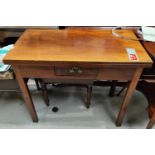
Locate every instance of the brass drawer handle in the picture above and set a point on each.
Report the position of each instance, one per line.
(76, 70)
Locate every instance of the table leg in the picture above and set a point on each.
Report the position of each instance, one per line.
(112, 88)
(128, 95)
(26, 94)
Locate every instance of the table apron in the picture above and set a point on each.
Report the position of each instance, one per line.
(48, 72)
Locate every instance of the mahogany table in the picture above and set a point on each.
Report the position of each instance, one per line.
(77, 55)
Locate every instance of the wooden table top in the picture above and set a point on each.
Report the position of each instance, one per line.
(99, 46)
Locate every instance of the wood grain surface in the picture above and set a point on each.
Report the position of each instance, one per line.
(73, 45)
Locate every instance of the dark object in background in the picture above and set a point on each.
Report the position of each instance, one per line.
(62, 27)
(55, 109)
(9, 40)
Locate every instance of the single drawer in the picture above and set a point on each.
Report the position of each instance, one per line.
(75, 71)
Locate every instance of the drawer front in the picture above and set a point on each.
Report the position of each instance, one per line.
(76, 71)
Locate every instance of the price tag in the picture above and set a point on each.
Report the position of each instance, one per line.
(132, 54)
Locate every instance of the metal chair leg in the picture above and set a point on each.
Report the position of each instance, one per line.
(113, 88)
(89, 95)
(120, 92)
(44, 92)
(123, 88)
(37, 84)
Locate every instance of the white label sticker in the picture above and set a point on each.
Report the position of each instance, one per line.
(132, 54)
